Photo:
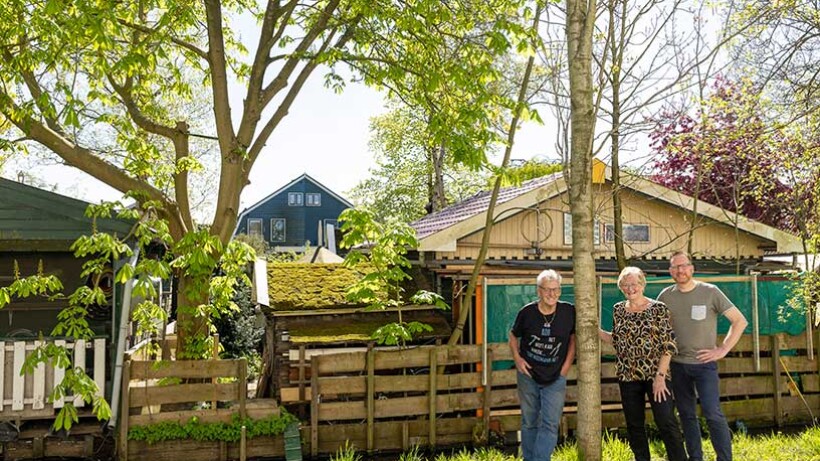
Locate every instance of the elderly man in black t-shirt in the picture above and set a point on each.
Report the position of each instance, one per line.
(543, 346)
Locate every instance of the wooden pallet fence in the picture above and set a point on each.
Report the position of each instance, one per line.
(393, 399)
(26, 396)
(153, 391)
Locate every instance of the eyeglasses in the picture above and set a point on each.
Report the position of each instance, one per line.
(550, 290)
(679, 266)
(630, 286)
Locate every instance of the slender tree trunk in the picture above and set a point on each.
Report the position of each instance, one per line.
(580, 28)
(617, 46)
(467, 304)
(439, 198)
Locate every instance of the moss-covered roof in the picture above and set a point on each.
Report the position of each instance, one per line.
(304, 286)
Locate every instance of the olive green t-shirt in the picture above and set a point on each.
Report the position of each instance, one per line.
(694, 316)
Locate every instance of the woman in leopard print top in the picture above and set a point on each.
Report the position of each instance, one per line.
(644, 344)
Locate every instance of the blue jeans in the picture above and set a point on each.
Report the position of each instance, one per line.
(541, 409)
(703, 377)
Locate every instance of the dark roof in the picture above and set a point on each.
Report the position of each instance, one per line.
(474, 205)
(32, 218)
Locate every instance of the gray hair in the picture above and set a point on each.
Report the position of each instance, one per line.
(548, 274)
(632, 270)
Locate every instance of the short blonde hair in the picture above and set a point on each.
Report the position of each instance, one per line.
(632, 270)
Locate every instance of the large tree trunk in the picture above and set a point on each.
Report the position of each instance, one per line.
(580, 27)
(192, 329)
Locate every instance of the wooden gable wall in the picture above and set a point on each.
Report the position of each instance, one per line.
(301, 222)
(512, 237)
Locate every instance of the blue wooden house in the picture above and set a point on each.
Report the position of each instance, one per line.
(302, 212)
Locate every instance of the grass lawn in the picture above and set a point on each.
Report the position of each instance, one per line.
(803, 446)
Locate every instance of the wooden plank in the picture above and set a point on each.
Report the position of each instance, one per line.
(2, 374)
(314, 406)
(488, 391)
(397, 359)
(302, 366)
(123, 418)
(220, 415)
(180, 393)
(242, 388)
(79, 362)
(59, 374)
(431, 397)
(99, 365)
(371, 395)
(775, 342)
(184, 369)
(397, 383)
(38, 393)
(18, 380)
(811, 383)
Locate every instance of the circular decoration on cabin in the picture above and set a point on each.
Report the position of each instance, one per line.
(536, 226)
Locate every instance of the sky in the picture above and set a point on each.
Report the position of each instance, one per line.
(325, 135)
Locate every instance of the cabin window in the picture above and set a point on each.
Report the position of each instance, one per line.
(596, 230)
(313, 199)
(255, 227)
(635, 233)
(295, 199)
(277, 229)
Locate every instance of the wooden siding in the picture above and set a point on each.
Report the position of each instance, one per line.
(302, 222)
(512, 237)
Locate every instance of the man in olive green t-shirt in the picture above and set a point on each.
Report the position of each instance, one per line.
(694, 308)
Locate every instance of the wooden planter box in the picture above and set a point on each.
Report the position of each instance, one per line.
(192, 450)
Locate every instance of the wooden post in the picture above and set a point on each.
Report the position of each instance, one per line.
(405, 436)
(488, 389)
(433, 395)
(38, 447)
(223, 450)
(243, 445)
(314, 406)
(371, 395)
(776, 369)
(214, 379)
(243, 388)
(302, 365)
(125, 403)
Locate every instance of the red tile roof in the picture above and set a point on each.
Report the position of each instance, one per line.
(474, 205)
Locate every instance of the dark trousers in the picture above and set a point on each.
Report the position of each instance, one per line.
(633, 397)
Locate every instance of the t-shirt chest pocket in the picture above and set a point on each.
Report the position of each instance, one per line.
(698, 312)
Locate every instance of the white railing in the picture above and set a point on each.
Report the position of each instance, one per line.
(27, 395)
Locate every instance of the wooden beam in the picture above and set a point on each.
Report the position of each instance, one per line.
(371, 391)
(431, 397)
(776, 368)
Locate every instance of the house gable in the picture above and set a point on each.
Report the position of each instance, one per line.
(532, 226)
(292, 214)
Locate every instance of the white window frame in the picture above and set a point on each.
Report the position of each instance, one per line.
(260, 222)
(609, 233)
(313, 199)
(596, 231)
(296, 199)
(284, 229)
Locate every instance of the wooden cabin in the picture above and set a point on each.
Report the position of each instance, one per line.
(533, 232)
(37, 230)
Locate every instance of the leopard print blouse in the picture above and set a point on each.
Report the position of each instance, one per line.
(640, 340)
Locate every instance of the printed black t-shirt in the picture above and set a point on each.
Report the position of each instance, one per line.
(543, 341)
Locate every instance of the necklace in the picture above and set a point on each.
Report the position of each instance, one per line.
(548, 321)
